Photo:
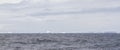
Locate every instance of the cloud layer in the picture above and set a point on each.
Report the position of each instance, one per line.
(59, 15)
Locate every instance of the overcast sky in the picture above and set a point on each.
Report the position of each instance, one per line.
(59, 15)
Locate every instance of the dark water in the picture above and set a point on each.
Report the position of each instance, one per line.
(72, 41)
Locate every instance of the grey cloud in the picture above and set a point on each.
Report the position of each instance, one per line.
(109, 10)
(70, 16)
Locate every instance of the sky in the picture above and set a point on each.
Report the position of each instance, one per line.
(57, 16)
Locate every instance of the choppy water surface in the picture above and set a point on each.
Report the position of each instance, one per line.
(72, 41)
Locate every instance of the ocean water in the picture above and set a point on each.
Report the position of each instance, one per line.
(60, 41)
